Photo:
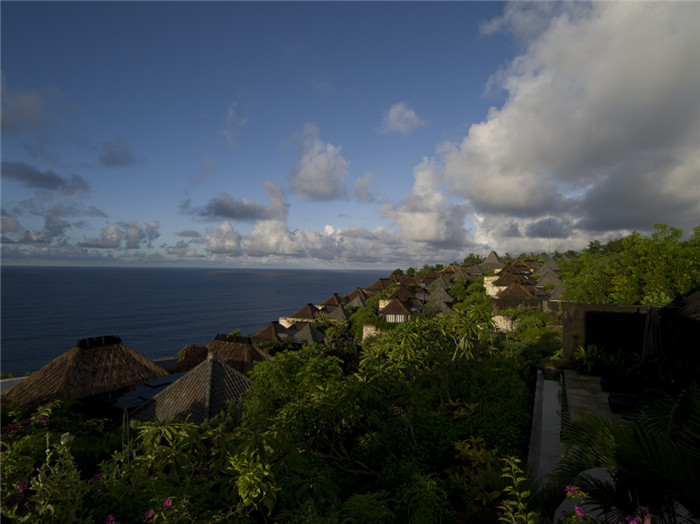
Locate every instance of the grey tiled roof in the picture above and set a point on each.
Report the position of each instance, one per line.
(201, 393)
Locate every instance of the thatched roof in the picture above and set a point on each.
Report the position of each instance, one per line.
(94, 366)
(441, 281)
(358, 292)
(430, 276)
(380, 285)
(548, 278)
(519, 292)
(517, 267)
(339, 314)
(506, 279)
(404, 293)
(334, 300)
(270, 332)
(550, 264)
(357, 302)
(440, 295)
(396, 307)
(201, 393)
(440, 306)
(308, 334)
(307, 313)
(235, 351)
(491, 263)
(475, 271)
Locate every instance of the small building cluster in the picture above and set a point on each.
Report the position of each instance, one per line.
(104, 371)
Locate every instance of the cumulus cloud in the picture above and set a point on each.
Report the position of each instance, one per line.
(132, 233)
(426, 215)
(152, 231)
(182, 249)
(401, 119)
(601, 119)
(320, 168)
(360, 191)
(223, 240)
(117, 153)
(110, 238)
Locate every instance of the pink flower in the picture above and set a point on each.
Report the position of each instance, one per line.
(569, 489)
(645, 511)
(110, 518)
(580, 512)
(167, 502)
(149, 514)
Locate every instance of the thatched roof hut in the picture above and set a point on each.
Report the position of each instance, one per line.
(307, 334)
(95, 366)
(201, 393)
(273, 331)
(235, 351)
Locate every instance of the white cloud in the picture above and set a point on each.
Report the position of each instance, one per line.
(426, 215)
(401, 119)
(361, 188)
(601, 121)
(320, 168)
(223, 240)
(110, 238)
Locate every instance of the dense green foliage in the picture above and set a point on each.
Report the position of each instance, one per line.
(415, 432)
(654, 270)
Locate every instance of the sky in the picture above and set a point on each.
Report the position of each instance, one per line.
(342, 134)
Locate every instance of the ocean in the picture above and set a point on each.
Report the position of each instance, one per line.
(155, 311)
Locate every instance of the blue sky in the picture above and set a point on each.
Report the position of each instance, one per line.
(342, 134)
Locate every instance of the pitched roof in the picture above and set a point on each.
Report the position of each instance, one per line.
(440, 306)
(517, 267)
(440, 295)
(339, 314)
(308, 312)
(334, 300)
(491, 263)
(461, 273)
(403, 292)
(357, 302)
(410, 280)
(506, 279)
(270, 332)
(551, 264)
(519, 292)
(396, 307)
(549, 278)
(237, 352)
(441, 281)
(476, 270)
(201, 393)
(450, 269)
(94, 366)
(358, 292)
(308, 334)
(557, 293)
(380, 285)
(430, 276)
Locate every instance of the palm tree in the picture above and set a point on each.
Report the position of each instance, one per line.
(653, 459)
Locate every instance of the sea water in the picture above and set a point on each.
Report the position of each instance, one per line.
(155, 311)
